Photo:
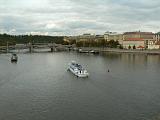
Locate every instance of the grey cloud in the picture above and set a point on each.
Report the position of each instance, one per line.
(80, 16)
(141, 4)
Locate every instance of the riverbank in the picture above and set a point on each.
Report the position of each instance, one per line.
(112, 50)
(96, 49)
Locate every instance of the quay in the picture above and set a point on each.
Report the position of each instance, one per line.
(58, 47)
(113, 50)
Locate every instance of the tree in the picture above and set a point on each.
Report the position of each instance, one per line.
(129, 47)
(79, 44)
(112, 44)
(120, 47)
(86, 43)
(134, 47)
(23, 39)
(71, 42)
(103, 43)
(65, 43)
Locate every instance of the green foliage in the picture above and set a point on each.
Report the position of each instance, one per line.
(65, 43)
(113, 44)
(100, 43)
(129, 47)
(23, 39)
(4, 39)
(79, 44)
(120, 47)
(134, 47)
(72, 42)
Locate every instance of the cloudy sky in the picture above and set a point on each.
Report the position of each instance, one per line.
(73, 17)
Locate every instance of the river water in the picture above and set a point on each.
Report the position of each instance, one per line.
(39, 87)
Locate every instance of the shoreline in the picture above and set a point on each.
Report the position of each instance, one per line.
(103, 50)
(112, 50)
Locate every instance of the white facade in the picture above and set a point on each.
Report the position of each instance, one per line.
(152, 47)
(132, 43)
(157, 37)
(152, 44)
(108, 36)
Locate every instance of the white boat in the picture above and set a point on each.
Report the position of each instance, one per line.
(14, 58)
(77, 69)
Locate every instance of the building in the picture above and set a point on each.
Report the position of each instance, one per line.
(137, 39)
(99, 38)
(108, 36)
(157, 36)
(86, 37)
(153, 45)
(129, 40)
(69, 38)
(133, 43)
(158, 44)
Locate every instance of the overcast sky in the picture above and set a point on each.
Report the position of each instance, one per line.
(73, 17)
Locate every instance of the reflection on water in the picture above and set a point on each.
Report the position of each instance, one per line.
(39, 87)
(134, 59)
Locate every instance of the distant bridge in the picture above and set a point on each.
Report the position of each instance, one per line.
(32, 46)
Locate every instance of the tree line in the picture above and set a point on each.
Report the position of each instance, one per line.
(24, 39)
(92, 43)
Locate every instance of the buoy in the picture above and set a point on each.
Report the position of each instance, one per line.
(108, 70)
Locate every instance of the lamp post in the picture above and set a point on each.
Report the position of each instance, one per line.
(7, 47)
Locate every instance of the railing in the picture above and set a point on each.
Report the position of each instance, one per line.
(30, 46)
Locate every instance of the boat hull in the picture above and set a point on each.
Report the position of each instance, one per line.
(14, 58)
(78, 74)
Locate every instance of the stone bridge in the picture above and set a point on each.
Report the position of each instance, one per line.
(31, 47)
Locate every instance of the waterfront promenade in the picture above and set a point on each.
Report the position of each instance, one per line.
(113, 50)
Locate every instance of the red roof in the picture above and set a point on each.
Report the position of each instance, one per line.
(140, 47)
(134, 39)
(142, 33)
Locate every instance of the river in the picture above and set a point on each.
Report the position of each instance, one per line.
(39, 87)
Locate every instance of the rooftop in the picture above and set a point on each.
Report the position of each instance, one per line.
(157, 43)
(144, 33)
(134, 39)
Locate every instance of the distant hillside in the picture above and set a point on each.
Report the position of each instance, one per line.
(22, 39)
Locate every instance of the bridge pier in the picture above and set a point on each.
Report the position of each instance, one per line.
(55, 49)
(51, 49)
(7, 48)
(30, 47)
(69, 48)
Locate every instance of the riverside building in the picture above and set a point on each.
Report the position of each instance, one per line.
(137, 40)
